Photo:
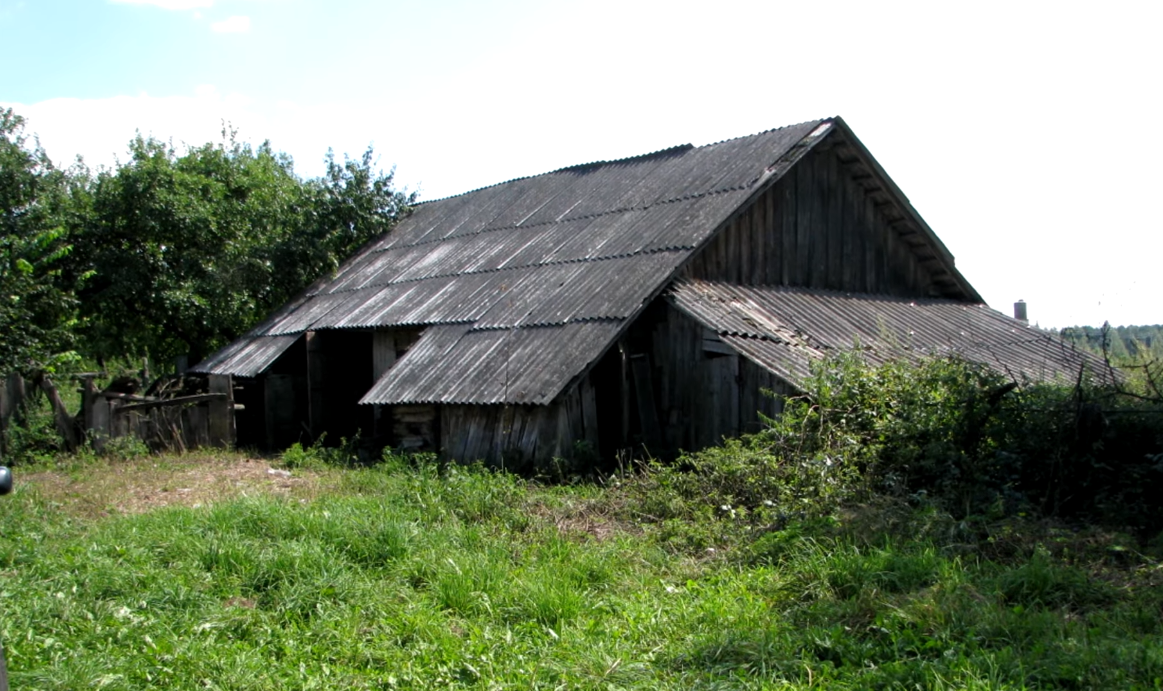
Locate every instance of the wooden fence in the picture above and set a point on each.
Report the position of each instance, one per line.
(176, 423)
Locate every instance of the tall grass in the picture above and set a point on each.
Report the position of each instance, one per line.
(404, 576)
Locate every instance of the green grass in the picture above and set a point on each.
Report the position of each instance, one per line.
(399, 577)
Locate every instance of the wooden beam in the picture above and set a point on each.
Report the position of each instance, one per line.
(180, 400)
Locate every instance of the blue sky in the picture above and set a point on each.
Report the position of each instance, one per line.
(1025, 133)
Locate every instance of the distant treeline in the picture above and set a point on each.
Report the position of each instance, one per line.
(1119, 342)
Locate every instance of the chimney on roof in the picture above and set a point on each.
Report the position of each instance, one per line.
(1020, 311)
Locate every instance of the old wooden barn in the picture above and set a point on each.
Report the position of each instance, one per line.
(646, 301)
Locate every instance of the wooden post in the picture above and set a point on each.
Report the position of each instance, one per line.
(221, 411)
(88, 399)
(14, 396)
(116, 419)
(11, 398)
(99, 422)
(61, 418)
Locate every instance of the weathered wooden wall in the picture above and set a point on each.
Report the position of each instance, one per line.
(818, 227)
(181, 423)
(702, 389)
(407, 427)
(523, 437)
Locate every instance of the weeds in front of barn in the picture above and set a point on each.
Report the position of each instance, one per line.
(408, 575)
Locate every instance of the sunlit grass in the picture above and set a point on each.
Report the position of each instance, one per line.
(406, 577)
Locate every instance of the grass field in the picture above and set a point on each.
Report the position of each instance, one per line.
(193, 572)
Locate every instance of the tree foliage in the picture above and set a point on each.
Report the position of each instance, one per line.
(188, 250)
(1121, 343)
(37, 303)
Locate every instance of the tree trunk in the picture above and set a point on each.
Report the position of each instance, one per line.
(64, 421)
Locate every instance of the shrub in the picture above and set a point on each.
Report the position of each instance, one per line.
(942, 430)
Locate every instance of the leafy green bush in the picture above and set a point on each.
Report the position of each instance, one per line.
(31, 435)
(320, 454)
(943, 431)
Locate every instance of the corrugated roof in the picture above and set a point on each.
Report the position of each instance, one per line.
(786, 329)
(522, 365)
(246, 357)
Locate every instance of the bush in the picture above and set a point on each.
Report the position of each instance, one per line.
(942, 431)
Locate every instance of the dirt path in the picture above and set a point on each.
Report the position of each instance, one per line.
(134, 486)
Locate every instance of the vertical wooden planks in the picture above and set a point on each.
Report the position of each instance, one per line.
(506, 419)
(756, 246)
(383, 353)
(455, 425)
(589, 412)
(833, 225)
(644, 394)
(732, 427)
(803, 222)
(529, 432)
(221, 411)
(100, 430)
(749, 398)
(547, 442)
(788, 216)
(772, 239)
(819, 227)
(853, 235)
(877, 231)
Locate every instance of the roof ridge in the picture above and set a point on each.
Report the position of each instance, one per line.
(817, 122)
(669, 151)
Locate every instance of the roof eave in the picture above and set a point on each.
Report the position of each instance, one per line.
(944, 256)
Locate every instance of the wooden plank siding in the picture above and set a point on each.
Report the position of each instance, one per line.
(818, 227)
(523, 437)
(703, 390)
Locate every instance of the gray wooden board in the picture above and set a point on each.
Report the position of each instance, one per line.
(221, 411)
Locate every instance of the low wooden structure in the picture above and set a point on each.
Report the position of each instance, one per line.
(605, 306)
(178, 422)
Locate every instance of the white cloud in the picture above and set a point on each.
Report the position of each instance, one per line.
(169, 4)
(100, 129)
(232, 25)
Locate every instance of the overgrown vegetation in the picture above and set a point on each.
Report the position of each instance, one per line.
(902, 526)
(944, 433)
(407, 575)
(169, 252)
